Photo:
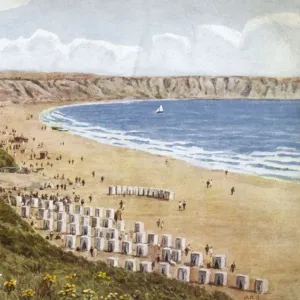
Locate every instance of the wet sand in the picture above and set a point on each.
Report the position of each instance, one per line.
(257, 227)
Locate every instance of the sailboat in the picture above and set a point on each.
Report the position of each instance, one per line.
(160, 110)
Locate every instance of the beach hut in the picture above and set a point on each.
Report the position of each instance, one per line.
(59, 206)
(196, 259)
(111, 190)
(99, 211)
(130, 265)
(242, 282)
(152, 239)
(164, 269)
(220, 278)
(107, 223)
(69, 208)
(261, 286)
(139, 227)
(73, 218)
(204, 276)
(74, 228)
(25, 211)
(85, 243)
(62, 216)
(113, 245)
(49, 204)
(70, 241)
(96, 222)
(62, 226)
(85, 220)
(42, 214)
(34, 202)
(166, 254)
(130, 190)
(121, 225)
(110, 213)
(166, 240)
(141, 191)
(140, 238)
(141, 250)
(114, 233)
(219, 261)
(119, 190)
(99, 243)
(113, 261)
(180, 243)
(86, 230)
(124, 190)
(176, 255)
(48, 224)
(146, 266)
(88, 211)
(183, 273)
(127, 248)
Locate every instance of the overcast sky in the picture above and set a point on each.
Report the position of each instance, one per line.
(153, 37)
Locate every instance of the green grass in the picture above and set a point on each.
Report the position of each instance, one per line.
(25, 256)
(6, 160)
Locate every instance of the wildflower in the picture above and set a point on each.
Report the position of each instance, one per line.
(89, 294)
(10, 285)
(49, 279)
(27, 294)
(69, 291)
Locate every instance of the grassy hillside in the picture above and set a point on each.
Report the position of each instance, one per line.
(6, 160)
(25, 257)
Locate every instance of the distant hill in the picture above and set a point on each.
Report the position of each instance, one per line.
(31, 87)
(25, 256)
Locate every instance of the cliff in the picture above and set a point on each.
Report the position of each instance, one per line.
(21, 87)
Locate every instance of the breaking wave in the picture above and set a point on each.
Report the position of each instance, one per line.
(219, 147)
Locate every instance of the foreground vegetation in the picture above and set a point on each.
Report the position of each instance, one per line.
(6, 160)
(34, 269)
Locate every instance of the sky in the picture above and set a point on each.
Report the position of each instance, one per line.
(153, 37)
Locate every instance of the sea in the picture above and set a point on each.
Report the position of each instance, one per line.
(259, 137)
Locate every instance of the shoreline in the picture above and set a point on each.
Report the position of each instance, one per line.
(78, 104)
(249, 227)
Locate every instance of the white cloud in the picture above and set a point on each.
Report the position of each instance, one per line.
(268, 46)
(10, 4)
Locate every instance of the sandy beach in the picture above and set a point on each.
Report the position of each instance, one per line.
(257, 227)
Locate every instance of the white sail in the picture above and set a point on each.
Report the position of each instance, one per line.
(160, 109)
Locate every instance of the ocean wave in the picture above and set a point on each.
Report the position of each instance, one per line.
(282, 163)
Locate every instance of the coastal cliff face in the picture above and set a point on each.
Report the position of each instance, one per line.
(20, 87)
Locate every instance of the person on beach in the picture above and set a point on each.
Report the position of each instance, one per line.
(206, 249)
(157, 258)
(162, 225)
(232, 190)
(93, 173)
(72, 161)
(82, 202)
(207, 184)
(102, 178)
(158, 223)
(92, 251)
(51, 235)
(81, 158)
(211, 251)
(232, 267)
(121, 204)
(83, 182)
(226, 172)
(179, 205)
(183, 205)
(187, 249)
(90, 198)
